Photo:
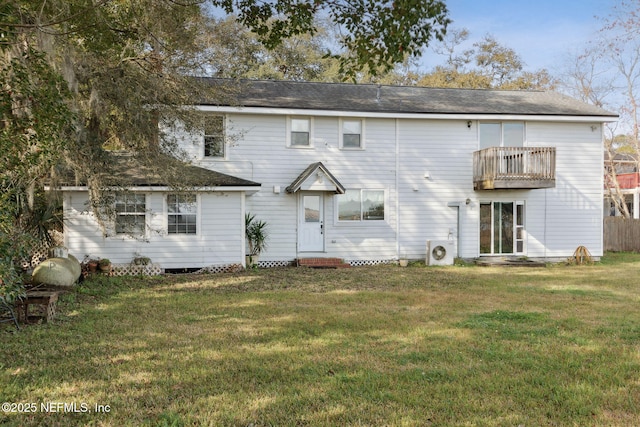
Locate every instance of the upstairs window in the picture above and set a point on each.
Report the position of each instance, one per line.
(507, 134)
(130, 214)
(214, 136)
(300, 133)
(351, 133)
(361, 205)
(182, 212)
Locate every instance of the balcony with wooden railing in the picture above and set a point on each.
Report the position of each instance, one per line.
(498, 168)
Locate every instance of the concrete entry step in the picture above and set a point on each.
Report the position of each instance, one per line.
(322, 263)
(508, 262)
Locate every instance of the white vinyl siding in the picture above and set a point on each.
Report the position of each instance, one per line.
(435, 158)
(435, 170)
(261, 156)
(218, 242)
(425, 168)
(573, 209)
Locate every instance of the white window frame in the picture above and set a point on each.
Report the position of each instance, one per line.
(197, 214)
(502, 132)
(362, 219)
(289, 128)
(128, 214)
(341, 133)
(519, 229)
(223, 135)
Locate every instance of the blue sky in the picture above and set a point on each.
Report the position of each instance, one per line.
(542, 32)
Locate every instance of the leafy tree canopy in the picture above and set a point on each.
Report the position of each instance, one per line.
(79, 76)
(488, 65)
(234, 51)
(377, 33)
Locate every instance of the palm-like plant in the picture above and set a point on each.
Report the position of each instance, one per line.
(256, 234)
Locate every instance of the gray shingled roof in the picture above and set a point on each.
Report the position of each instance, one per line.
(163, 171)
(402, 99)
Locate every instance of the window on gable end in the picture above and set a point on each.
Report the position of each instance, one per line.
(214, 138)
(300, 133)
(352, 133)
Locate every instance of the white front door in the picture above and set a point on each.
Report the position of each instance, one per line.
(311, 223)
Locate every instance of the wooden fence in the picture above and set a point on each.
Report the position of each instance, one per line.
(621, 234)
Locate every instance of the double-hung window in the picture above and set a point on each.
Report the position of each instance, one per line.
(182, 214)
(130, 213)
(361, 205)
(300, 132)
(351, 136)
(214, 140)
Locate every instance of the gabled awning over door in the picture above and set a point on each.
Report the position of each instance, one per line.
(316, 177)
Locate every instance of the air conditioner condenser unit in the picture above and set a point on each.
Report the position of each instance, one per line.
(440, 252)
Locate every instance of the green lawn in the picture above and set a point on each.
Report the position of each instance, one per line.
(384, 345)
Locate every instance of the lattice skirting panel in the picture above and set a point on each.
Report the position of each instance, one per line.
(228, 268)
(155, 269)
(136, 270)
(353, 263)
(363, 262)
(274, 264)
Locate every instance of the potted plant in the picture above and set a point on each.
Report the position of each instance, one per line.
(403, 261)
(93, 265)
(104, 264)
(256, 235)
(141, 260)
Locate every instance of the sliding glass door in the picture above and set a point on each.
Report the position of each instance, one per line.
(501, 228)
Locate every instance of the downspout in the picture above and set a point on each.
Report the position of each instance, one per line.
(545, 223)
(243, 246)
(457, 205)
(397, 136)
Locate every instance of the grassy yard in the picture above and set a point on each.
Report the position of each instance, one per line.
(371, 346)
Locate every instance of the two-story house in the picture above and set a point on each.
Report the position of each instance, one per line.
(370, 174)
